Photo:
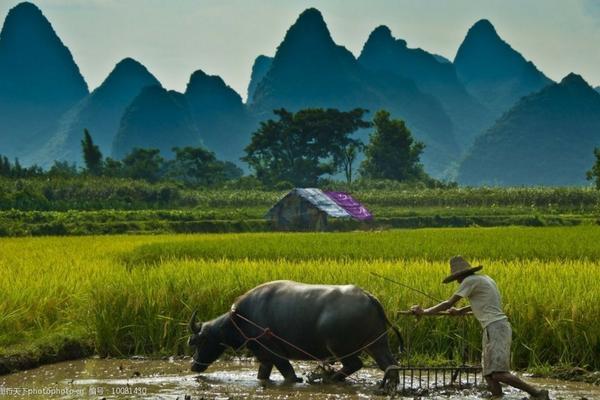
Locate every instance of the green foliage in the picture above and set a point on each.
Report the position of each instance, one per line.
(97, 193)
(301, 147)
(392, 152)
(96, 205)
(347, 157)
(192, 166)
(146, 164)
(62, 169)
(113, 168)
(15, 170)
(91, 154)
(196, 166)
(594, 173)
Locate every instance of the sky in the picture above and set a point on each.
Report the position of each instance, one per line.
(174, 38)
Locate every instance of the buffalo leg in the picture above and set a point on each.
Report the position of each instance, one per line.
(287, 371)
(385, 360)
(264, 370)
(349, 366)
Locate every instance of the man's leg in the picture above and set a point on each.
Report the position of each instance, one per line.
(486, 362)
(493, 385)
(516, 382)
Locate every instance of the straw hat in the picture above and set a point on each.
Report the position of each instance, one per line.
(460, 267)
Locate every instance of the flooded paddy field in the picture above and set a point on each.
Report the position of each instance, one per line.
(171, 379)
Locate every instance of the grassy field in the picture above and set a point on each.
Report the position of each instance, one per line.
(124, 295)
(147, 209)
(94, 206)
(101, 193)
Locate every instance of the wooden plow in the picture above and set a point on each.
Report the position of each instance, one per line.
(419, 380)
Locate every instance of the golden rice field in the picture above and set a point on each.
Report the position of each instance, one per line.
(128, 295)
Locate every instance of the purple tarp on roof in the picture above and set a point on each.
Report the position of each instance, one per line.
(352, 206)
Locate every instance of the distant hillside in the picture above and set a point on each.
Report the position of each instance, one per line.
(493, 72)
(489, 116)
(38, 80)
(259, 70)
(433, 75)
(548, 138)
(100, 113)
(310, 70)
(156, 118)
(220, 116)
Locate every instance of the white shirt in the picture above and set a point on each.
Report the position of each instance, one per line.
(485, 299)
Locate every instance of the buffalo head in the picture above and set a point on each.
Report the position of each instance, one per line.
(205, 339)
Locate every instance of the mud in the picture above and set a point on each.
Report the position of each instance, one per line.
(172, 379)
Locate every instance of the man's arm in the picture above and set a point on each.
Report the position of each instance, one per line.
(459, 311)
(443, 306)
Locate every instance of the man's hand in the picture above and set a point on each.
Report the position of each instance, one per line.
(455, 311)
(417, 310)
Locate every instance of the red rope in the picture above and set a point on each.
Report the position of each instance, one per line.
(269, 333)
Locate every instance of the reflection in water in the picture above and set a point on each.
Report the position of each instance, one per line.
(172, 379)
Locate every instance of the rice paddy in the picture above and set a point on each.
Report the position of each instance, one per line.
(126, 295)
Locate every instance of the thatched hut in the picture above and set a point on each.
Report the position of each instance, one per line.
(309, 209)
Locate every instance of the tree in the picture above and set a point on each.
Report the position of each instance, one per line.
(348, 156)
(594, 173)
(392, 153)
(91, 154)
(16, 170)
(113, 168)
(232, 171)
(62, 169)
(5, 167)
(301, 147)
(197, 166)
(144, 164)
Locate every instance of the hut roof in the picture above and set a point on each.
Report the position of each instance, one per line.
(348, 203)
(334, 204)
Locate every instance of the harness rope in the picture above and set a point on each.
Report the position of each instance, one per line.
(267, 332)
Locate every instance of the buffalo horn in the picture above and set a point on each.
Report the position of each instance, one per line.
(194, 327)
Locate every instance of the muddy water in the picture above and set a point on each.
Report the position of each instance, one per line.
(172, 379)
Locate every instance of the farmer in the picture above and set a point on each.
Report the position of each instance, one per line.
(486, 305)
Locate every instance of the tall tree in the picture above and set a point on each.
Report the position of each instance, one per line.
(5, 167)
(91, 154)
(301, 147)
(392, 153)
(594, 173)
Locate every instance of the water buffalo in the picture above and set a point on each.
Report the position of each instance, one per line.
(284, 320)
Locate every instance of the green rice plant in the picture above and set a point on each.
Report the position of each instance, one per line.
(134, 294)
(500, 243)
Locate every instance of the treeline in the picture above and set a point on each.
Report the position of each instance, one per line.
(191, 166)
(310, 147)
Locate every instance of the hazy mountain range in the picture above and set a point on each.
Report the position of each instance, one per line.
(39, 81)
(548, 135)
(487, 117)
